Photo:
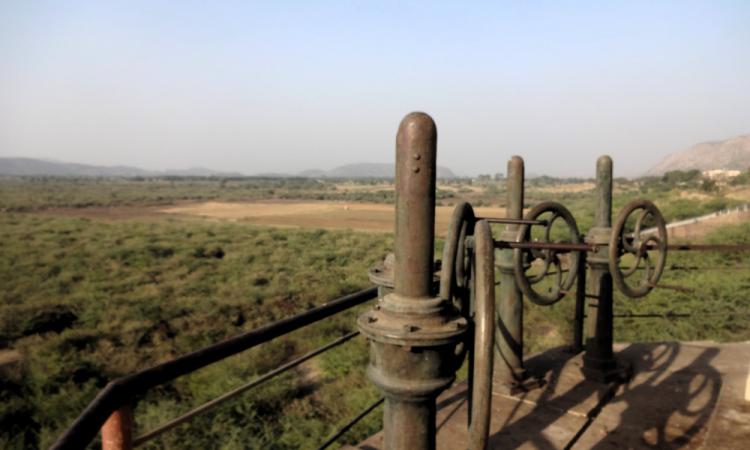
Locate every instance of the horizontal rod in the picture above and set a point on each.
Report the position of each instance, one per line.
(547, 246)
(584, 247)
(672, 287)
(668, 315)
(350, 424)
(710, 247)
(237, 391)
(510, 221)
(123, 390)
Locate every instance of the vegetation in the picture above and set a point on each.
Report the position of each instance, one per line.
(85, 301)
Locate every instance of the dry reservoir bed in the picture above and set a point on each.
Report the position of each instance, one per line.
(357, 216)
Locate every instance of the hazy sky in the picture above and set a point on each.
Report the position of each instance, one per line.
(287, 86)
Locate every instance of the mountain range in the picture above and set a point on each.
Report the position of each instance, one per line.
(40, 167)
(733, 153)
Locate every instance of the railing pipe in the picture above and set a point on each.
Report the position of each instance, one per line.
(121, 391)
(117, 431)
(239, 390)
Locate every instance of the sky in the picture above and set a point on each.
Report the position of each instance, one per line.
(286, 86)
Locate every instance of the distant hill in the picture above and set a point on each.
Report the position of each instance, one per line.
(40, 167)
(366, 170)
(731, 153)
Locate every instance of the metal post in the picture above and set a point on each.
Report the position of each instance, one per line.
(577, 345)
(117, 431)
(413, 334)
(599, 363)
(509, 333)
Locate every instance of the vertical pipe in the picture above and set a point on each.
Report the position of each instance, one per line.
(577, 345)
(509, 333)
(413, 334)
(480, 408)
(117, 431)
(416, 152)
(407, 423)
(603, 212)
(599, 363)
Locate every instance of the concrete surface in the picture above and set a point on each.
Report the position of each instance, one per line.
(689, 395)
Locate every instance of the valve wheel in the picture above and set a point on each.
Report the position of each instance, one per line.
(540, 260)
(640, 237)
(455, 272)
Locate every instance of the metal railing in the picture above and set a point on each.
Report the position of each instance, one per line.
(118, 394)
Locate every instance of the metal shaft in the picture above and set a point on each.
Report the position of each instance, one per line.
(484, 327)
(408, 424)
(416, 152)
(413, 334)
(599, 363)
(509, 332)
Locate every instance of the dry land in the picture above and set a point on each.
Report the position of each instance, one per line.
(328, 215)
(372, 217)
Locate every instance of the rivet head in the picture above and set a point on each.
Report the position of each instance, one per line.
(417, 156)
(415, 169)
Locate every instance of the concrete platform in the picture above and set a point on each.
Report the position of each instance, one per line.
(688, 395)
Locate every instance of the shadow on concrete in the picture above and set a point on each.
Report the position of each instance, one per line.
(666, 404)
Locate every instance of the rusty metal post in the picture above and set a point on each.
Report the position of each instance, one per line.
(509, 332)
(117, 431)
(578, 322)
(599, 363)
(413, 333)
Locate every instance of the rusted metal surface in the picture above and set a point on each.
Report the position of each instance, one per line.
(117, 431)
(509, 221)
(548, 256)
(454, 271)
(121, 391)
(509, 304)
(599, 362)
(580, 308)
(413, 335)
(641, 246)
(484, 328)
(416, 145)
(234, 393)
(592, 247)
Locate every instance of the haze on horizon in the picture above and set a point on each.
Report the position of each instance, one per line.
(288, 86)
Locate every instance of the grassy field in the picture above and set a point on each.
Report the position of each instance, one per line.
(98, 282)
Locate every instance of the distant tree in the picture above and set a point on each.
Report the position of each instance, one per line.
(709, 185)
(682, 177)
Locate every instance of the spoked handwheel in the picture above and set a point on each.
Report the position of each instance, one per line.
(456, 269)
(639, 241)
(532, 265)
(467, 279)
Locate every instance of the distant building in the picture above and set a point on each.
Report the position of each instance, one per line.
(718, 174)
